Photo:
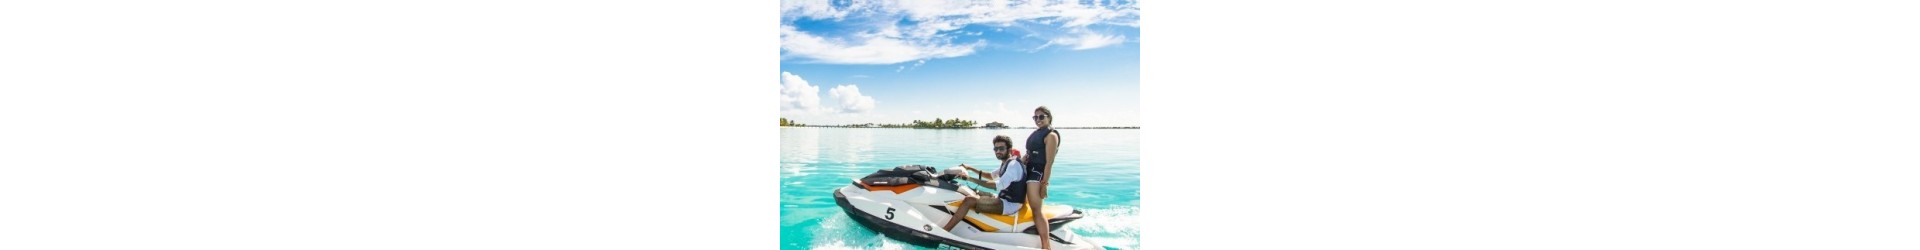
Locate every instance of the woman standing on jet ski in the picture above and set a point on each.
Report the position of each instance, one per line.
(1042, 145)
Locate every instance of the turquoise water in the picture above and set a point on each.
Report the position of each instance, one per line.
(1097, 171)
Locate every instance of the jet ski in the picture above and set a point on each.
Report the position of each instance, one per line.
(912, 204)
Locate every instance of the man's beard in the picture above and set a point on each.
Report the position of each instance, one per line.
(1002, 157)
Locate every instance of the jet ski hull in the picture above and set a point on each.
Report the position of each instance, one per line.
(919, 224)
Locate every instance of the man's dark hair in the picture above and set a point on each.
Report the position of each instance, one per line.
(1004, 139)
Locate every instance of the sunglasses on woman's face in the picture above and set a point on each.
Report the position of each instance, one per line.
(1038, 117)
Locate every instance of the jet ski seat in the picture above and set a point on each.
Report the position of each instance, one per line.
(1018, 222)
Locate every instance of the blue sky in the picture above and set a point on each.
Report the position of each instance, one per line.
(846, 62)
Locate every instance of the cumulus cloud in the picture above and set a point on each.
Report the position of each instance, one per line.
(850, 99)
(798, 97)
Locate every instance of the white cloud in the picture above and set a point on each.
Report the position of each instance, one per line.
(818, 9)
(915, 65)
(797, 96)
(1084, 40)
(867, 48)
(1064, 14)
(890, 32)
(801, 100)
(850, 99)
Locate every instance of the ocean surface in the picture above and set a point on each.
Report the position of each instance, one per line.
(1097, 171)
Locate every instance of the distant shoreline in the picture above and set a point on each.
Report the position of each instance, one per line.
(823, 126)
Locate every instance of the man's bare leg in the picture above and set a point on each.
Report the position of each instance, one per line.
(962, 212)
